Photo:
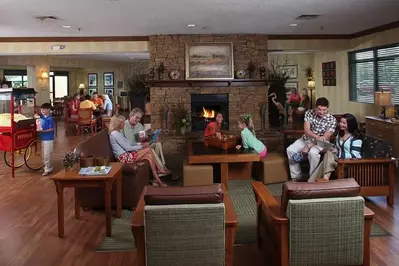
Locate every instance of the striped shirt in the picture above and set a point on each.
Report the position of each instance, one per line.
(349, 148)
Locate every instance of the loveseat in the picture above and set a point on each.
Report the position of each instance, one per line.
(135, 176)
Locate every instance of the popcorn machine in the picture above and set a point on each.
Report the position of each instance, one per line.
(18, 129)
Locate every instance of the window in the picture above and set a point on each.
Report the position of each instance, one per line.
(58, 84)
(372, 70)
(18, 78)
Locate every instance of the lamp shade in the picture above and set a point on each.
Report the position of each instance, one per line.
(44, 75)
(383, 98)
(311, 83)
(81, 86)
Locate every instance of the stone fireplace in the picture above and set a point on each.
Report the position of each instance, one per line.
(240, 100)
(233, 97)
(204, 108)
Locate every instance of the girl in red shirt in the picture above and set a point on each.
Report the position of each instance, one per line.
(214, 127)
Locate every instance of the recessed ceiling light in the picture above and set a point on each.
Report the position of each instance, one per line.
(190, 25)
(293, 25)
(66, 26)
(132, 57)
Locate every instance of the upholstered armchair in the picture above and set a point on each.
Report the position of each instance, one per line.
(314, 224)
(184, 226)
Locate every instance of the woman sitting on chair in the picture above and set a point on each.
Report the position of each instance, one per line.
(348, 144)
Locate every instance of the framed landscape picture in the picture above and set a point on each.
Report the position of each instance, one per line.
(209, 61)
(92, 78)
(289, 85)
(109, 79)
(292, 71)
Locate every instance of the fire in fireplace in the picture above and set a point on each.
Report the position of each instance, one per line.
(204, 108)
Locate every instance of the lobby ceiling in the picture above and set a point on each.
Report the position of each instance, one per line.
(150, 17)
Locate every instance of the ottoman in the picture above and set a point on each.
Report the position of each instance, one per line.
(197, 175)
(271, 169)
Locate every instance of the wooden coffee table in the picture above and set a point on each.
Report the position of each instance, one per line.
(199, 154)
(72, 179)
(230, 229)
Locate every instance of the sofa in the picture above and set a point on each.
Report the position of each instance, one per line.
(135, 176)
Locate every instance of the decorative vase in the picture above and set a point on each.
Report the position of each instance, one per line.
(183, 130)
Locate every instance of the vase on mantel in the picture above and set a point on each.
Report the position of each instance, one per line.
(183, 130)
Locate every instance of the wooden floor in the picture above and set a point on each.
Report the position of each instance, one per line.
(28, 224)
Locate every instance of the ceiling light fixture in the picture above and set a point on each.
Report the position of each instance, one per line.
(132, 57)
(58, 47)
(293, 25)
(190, 25)
(66, 26)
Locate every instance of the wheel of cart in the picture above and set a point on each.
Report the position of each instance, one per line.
(33, 156)
(19, 157)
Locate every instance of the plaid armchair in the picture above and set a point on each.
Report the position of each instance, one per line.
(314, 224)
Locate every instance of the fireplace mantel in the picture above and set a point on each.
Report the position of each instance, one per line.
(208, 83)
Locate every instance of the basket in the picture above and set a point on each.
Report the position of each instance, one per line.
(226, 142)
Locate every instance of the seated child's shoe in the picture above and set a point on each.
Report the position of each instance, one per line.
(46, 173)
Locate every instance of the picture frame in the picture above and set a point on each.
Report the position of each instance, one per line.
(108, 79)
(92, 79)
(92, 90)
(209, 61)
(109, 91)
(329, 73)
(289, 85)
(291, 70)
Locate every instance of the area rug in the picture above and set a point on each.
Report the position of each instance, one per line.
(241, 194)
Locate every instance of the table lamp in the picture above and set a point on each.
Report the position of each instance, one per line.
(383, 99)
(311, 86)
(81, 86)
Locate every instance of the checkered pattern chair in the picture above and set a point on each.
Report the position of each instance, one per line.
(180, 232)
(314, 224)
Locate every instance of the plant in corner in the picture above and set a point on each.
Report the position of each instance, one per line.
(181, 117)
(138, 90)
(251, 69)
(69, 160)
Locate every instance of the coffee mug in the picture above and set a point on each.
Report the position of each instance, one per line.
(102, 161)
(86, 161)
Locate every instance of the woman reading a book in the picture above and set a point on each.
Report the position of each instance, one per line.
(348, 144)
(127, 152)
(213, 128)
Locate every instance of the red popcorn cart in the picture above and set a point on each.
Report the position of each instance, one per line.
(18, 137)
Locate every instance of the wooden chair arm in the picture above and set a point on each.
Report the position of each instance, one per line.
(365, 161)
(368, 214)
(293, 131)
(271, 207)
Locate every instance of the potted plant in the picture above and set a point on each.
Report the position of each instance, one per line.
(181, 118)
(309, 73)
(251, 69)
(69, 160)
(138, 90)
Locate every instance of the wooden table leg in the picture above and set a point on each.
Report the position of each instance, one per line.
(77, 204)
(60, 208)
(108, 217)
(119, 197)
(225, 174)
(229, 242)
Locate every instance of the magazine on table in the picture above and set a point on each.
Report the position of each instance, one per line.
(95, 170)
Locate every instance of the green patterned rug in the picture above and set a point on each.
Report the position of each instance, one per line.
(241, 194)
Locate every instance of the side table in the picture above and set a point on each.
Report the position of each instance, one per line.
(72, 179)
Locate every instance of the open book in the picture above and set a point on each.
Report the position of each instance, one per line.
(323, 144)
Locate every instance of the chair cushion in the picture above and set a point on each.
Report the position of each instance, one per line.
(347, 187)
(183, 195)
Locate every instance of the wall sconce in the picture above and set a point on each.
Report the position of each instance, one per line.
(44, 75)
